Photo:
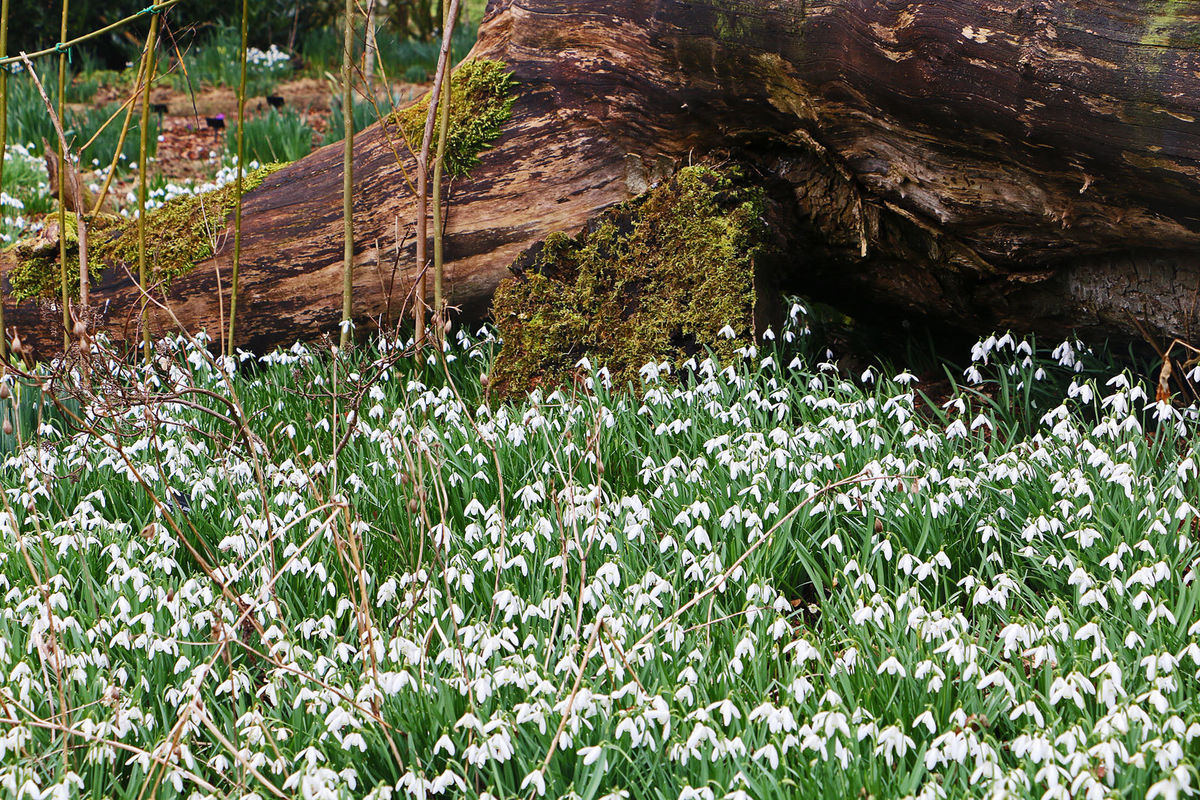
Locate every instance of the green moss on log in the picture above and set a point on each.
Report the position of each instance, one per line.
(37, 273)
(1172, 24)
(179, 234)
(656, 278)
(481, 100)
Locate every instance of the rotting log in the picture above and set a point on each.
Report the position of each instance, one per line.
(1032, 164)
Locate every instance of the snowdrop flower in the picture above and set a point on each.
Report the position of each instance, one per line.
(1177, 784)
(925, 718)
(591, 754)
(537, 780)
(892, 743)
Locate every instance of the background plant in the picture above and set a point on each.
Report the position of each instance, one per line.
(26, 192)
(275, 136)
(216, 61)
(415, 59)
(412, 59)
(93, 125)
(30, 125)
(271, 21)
(335, 131)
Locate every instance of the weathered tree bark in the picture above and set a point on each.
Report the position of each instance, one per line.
(989, 163)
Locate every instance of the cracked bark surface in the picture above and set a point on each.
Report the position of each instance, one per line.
(1032, 164)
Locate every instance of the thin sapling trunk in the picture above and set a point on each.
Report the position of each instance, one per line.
(348, 178)
(143, 148)
(370, 50)
(66, 183)
(237, 220)
(3, 150)
(438, 224)
(62, 171)
(423, 175)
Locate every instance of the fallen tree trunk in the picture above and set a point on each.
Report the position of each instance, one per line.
(1032, 164)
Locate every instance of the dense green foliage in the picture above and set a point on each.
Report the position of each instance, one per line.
(276, 136)
(354, 577)
(30, 124)
(216, 61)
(195, 21)
(26, 191)
(403, 56)
(364, 114)
(270, 21)
(102, 127)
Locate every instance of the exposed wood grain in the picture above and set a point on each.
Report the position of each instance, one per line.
(1033, 163)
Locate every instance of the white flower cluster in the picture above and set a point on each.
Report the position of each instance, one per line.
(22, 161)
(160, 196)
(269, 61)
(746, 581)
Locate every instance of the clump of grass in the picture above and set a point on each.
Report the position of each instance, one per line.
(413, 59)
(87, 123)
(28, 122)
(27, 413)
(214, 61)
(277, 136)
(321, 50)
(265, 70)
(82, 88)
(416, 59)
(26, 192)
(364, 115)
(415, 73)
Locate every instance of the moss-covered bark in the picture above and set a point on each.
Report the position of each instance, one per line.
(179, 234)
(481, 100)
(656, 278)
